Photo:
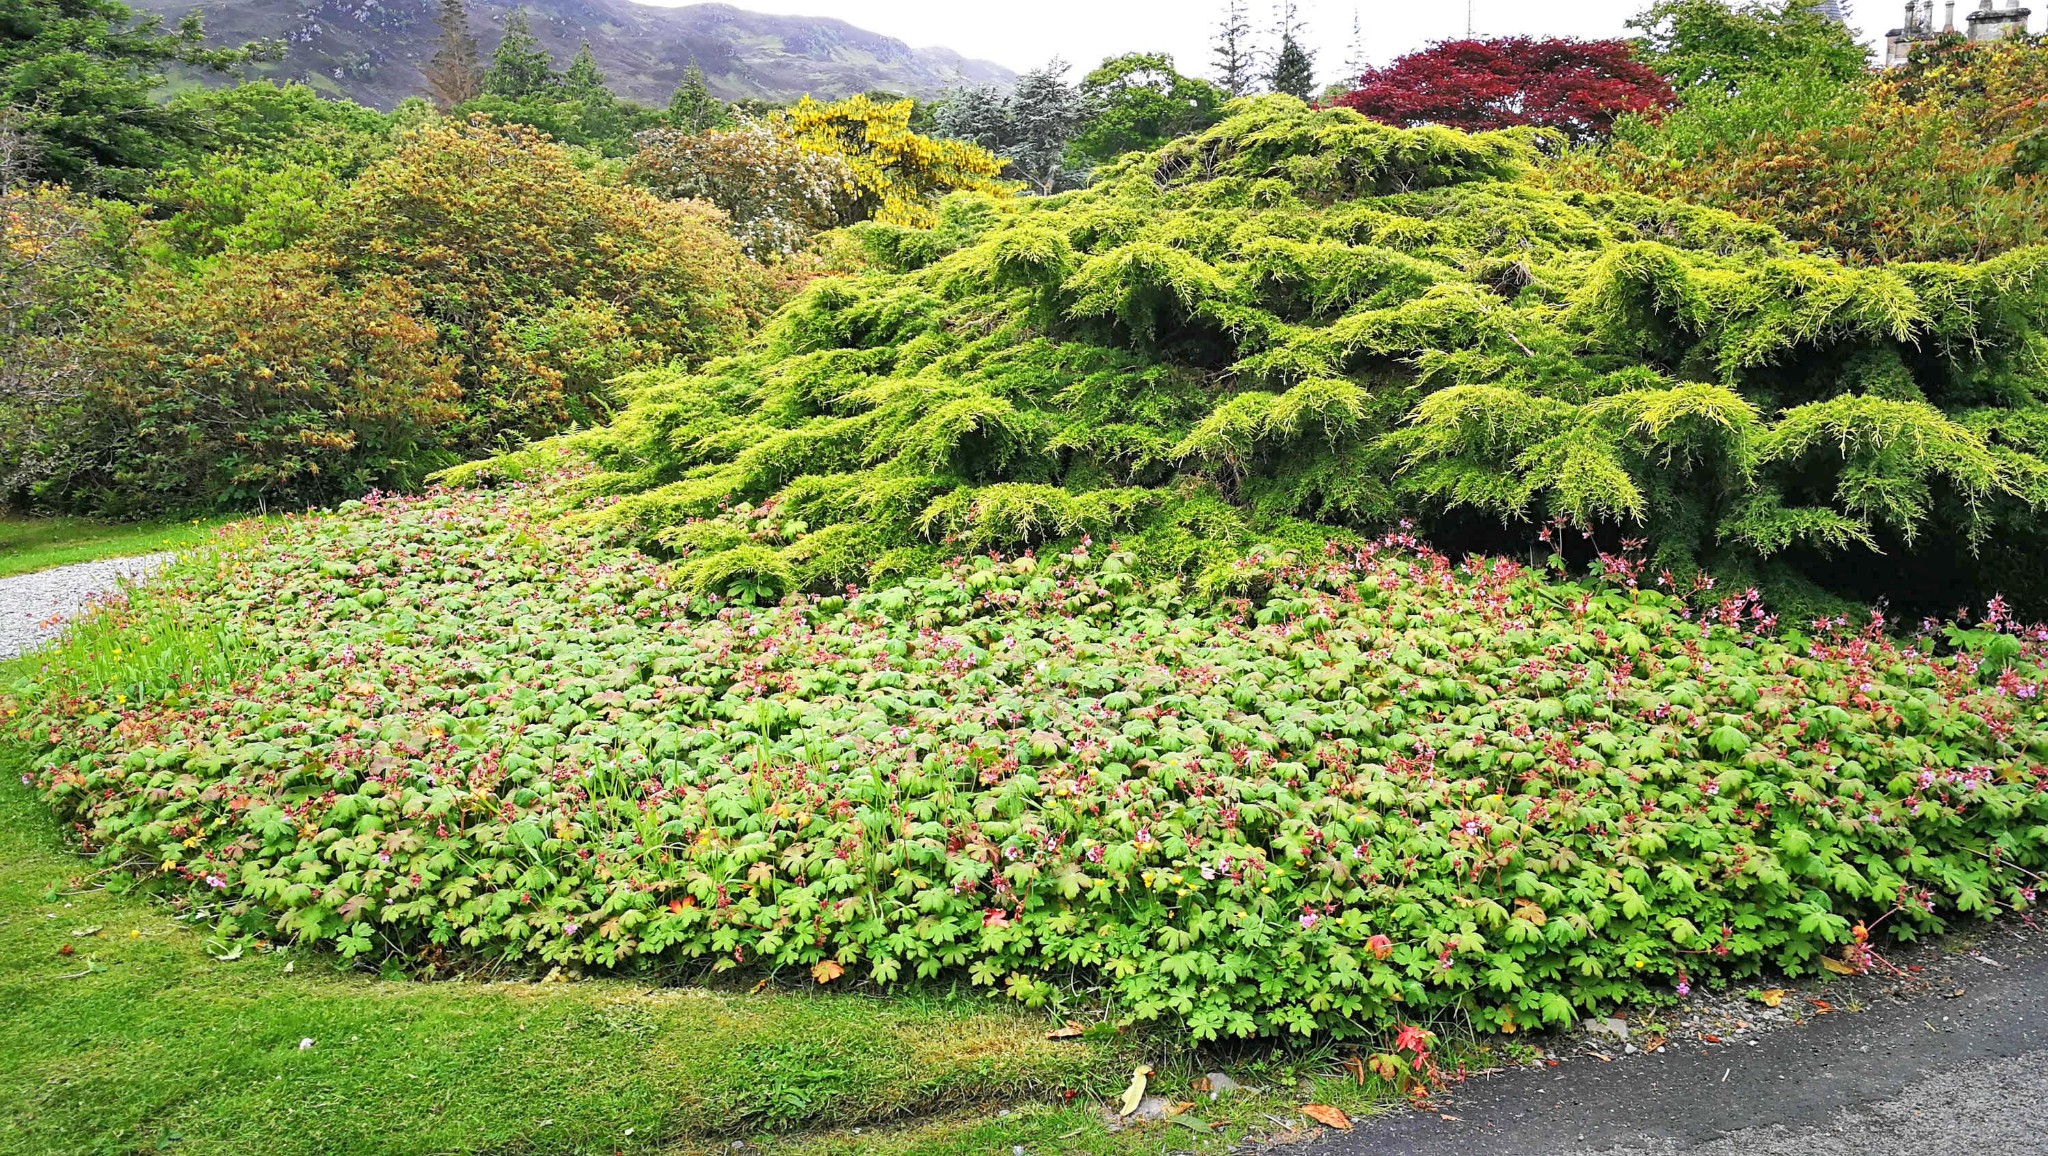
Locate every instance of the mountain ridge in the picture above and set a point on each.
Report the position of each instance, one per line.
(372, 51)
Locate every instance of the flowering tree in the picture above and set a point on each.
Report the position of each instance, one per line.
(1578, 87)
(898, 174)
(776, 191)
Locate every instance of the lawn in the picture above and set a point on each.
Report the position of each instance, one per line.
(139, 1040)
(31, 544)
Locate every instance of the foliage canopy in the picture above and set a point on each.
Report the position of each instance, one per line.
(1577, 87)
(1937, 160)
(1300, 323)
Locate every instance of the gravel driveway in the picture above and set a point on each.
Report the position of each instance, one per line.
(31, 605)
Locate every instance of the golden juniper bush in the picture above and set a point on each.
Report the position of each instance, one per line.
(1300, 320)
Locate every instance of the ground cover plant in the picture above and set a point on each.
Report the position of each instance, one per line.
(116, 1013)
(438, 733)
(1300, 322)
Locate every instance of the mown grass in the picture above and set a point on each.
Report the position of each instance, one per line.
(31, 544)
(140, 1041)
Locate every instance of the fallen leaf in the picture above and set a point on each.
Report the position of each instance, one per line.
(1070, 1031)
(1326, 1115)
(826, 971)
(1711, 1038)
(1771, 997)
(66, 949)
(759, 988)
(1356, 1066)
(1180, 1107)
(1837, 966)
(1192, 1123)
(1821, 1007)
(1136, 1091)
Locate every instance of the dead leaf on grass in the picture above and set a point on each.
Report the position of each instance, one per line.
(1136, 1091)
(826, 971)
(1327, 1116)
(1072, 1030)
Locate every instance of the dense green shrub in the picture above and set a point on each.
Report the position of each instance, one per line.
(260, 381)
(1393, 788)
(1301, 321)
(59, 262)
(502, 233)
(1925, 162)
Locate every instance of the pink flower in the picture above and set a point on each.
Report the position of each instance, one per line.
(216, 882)
(570, 927)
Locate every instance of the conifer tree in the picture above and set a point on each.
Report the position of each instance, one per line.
(693, 108)
(1046, 112)
(455, 74)
(520, 67)
(584, 80)
(1355, 62)
(1294, 67)
(1236, 66)
(602, 115)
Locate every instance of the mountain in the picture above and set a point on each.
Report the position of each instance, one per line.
(372, 50)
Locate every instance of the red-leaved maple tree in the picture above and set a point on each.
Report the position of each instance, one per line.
(1578, 87)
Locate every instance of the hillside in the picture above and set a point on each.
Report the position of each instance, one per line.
(372, 50)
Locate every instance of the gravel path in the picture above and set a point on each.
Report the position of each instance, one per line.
(32, 604)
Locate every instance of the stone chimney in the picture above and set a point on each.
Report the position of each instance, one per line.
(1987, 23)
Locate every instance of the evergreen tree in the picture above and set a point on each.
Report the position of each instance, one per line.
(1294, 67)
(455, 74)
(1355, 62)
(1236, 65)
(78, 78)
(520, 67)
(1046, 112)
(584, 80)
(693, 108)
(603, 116)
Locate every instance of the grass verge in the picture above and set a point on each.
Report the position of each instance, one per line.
(140, 1041)
(31, 544)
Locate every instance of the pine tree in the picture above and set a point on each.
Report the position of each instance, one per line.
(603, 118)
(1236, 67)
(1046, 112)
(455, 74)
(1355, 62)
(693, 108)
(1294, 67)
(584, 80)
(520, 67)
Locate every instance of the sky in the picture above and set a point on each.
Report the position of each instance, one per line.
(1026, 33)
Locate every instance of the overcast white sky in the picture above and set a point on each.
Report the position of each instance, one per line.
(1025, 33)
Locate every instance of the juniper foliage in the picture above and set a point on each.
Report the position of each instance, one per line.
(1299, 324)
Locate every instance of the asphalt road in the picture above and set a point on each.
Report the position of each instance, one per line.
(1953, 1060)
